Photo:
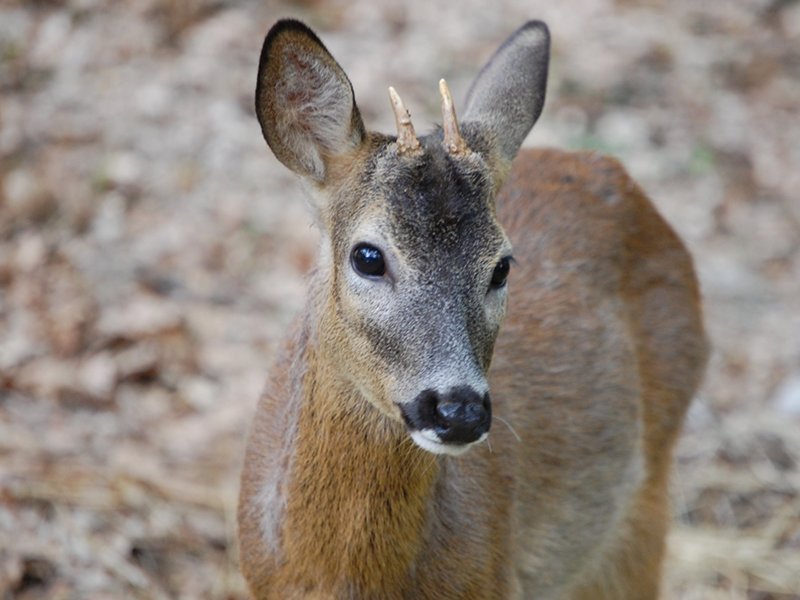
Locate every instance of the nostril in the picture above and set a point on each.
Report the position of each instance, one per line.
(475, 414)
(477, 419)
(447, 413)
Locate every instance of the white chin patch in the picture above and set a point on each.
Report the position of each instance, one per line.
(428, 440)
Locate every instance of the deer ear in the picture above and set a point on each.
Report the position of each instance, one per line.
(304, 101)
(507, 96)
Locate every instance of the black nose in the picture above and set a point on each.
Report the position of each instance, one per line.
(460, 416)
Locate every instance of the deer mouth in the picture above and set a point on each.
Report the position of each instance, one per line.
(428, 440)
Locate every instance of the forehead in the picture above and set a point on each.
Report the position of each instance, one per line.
(436, 199)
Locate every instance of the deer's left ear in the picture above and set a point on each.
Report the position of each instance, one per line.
(304, 101)
(507, 96)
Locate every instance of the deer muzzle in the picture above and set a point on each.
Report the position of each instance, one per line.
(449, 422)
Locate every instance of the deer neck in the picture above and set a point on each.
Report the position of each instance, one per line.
(360, 491)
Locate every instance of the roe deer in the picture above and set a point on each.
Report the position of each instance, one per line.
(357, 482)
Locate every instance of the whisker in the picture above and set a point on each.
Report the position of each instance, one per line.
(421, 460)
(427, 468)
(510, 428)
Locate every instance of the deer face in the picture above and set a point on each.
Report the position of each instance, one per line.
(414, 262)
(419, 273)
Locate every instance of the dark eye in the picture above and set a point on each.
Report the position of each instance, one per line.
(368, 261)
(500, 273)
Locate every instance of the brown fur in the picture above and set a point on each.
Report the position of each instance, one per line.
(593, 370)
(596, 219)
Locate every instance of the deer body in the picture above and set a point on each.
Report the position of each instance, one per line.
(354, 484)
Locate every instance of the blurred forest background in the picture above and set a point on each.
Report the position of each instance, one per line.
(152, 251)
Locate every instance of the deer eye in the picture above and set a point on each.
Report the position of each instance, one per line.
(500, 274)
(368, 261)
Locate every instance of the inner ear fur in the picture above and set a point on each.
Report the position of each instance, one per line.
(305, 102)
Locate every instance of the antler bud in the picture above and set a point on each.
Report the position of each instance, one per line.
(453, 141)
(406, 137)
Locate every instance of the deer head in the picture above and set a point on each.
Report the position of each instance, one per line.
(413, 263)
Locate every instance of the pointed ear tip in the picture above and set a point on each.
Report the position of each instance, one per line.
(283, 32)
(537, 31)
(537, 24)
(290, 27)
(285, 25)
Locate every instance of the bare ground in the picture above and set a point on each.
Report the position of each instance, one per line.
(152, 251)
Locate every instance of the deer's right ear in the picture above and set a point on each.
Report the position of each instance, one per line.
(304, 101)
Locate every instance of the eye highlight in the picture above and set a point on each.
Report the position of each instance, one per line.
(367, 261)
(500, 273)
